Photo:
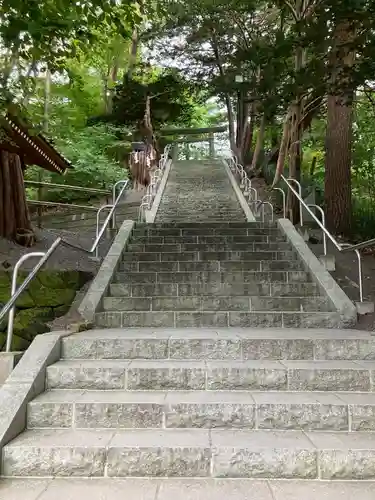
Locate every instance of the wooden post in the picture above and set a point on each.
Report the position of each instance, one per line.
(187, 150)
(211, 145)
(47, 93)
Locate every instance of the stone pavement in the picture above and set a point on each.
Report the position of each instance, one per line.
(186, 489)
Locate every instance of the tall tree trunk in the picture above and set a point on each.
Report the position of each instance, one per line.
(339, 134)
(232, 138)
(251, 128)
(282, 150)
(133, 53)
(215, 50)
(260, 142)
(14, 213)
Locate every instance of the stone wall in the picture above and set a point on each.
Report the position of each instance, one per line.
(49, 295)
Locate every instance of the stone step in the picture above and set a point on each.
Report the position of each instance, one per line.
(324, 411)
(225, 224)
(215, 289)
(208, 256)
(188, 489)
(190, 453)
(227, 343)
(291, 375)
(150, 230)
(222, 319)
(212, 266)
(209, 303)
(214, 277)
(197, 247)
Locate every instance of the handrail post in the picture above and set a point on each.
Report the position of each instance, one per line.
(118, 183)
(103, 207)
(324, 224)
(360, 277)
(300, 194)
(13, 290)
(284, 199)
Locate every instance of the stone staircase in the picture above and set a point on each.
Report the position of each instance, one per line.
(199, 192)
(232, 403)
(213, 275)
(201, 371)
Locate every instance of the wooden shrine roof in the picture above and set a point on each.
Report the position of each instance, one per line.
(33, 149)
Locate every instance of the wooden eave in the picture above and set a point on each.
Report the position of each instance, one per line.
(34, 149)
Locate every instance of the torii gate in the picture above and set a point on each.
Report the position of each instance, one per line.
(180, 134)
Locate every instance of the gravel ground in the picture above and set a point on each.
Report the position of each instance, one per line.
(64, 257)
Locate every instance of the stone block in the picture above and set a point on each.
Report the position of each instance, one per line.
(114, 348)
(180, 377)
(277, 349)
(241, 265)
(157, 267)
(316, 378)
(312, 320)
(265, 463)
(355, 349)
(347, 464)
(66, 375)
(365, 307)
(235, 376)
(108, 319)
(362, 417)
(126, 304)
(219, 415)
(303, 416)
(54, 461)
(49, 414)
(281, 265)
(201, 319)
(176, 303)
(148, 319)
(135, 277)
(294, 289)
(255, 320)
(159, 462)
(204, 349)
(118, 415)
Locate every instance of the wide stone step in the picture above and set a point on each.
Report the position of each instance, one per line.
(291, 375)
(228, 343)
(216, 289)
(225, 224)
(149, 230)
(222, 319)
(191, 453)
(201, 247)
(213, 265)
(209, 256)
(214, 277)
(189, 489)
(325, 411)
(209, 303)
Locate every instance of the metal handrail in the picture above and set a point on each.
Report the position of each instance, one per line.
(68, 187)
(317, 207)
(156, 176)
(269, 204)
(64, 205)
(341, 247)
(284, 199)
(44, 256)
(15, 293)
